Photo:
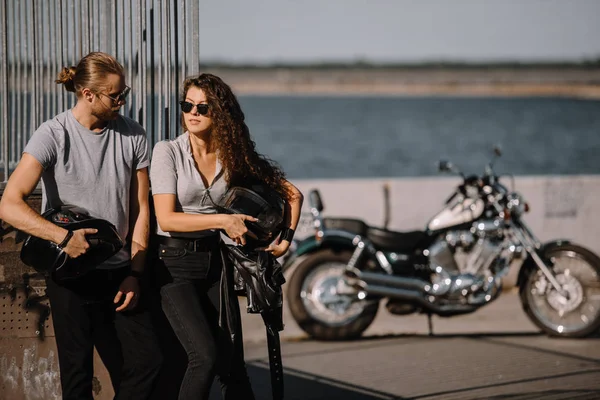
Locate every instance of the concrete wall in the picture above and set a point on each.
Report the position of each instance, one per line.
(28, 357)
(564, 207)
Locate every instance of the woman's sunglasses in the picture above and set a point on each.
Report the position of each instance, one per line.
(187, 107)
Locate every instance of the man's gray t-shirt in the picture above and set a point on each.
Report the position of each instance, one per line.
(173, 171)
(91, 170)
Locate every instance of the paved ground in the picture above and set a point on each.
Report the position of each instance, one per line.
(495, 353)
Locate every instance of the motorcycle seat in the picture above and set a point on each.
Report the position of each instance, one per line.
(386, 240)
(351, 225)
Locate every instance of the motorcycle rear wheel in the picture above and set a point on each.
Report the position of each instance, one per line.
(316, 306)
(575, 315)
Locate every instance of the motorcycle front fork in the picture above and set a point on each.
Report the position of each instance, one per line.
(524, 235)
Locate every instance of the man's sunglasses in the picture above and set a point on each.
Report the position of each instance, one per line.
(121, 97)
(187, 107)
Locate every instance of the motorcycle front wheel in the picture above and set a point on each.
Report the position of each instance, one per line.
(318, 305)
(574, 313)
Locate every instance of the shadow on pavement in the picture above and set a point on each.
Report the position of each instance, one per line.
(549, 394)
(448, 335)
(303, 386)
(574, 394)
(374, 338)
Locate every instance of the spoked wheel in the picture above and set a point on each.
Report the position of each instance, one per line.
(322, 305)
(576, 311)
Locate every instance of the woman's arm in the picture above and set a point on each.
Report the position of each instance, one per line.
(293, 206)
(292, 212)
(163, 176)
(170, 220)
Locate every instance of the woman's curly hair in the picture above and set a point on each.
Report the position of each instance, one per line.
(231, 137)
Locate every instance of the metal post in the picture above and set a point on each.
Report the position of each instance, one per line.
(195, 38)
(4, 94)
(33, 92)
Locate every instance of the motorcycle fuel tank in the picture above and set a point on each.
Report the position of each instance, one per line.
(458, 211)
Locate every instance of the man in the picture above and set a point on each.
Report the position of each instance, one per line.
(93, 158)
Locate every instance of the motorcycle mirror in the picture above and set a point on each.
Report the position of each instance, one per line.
(497, 150)
(445, 166)
(489, 169)
(315, 200)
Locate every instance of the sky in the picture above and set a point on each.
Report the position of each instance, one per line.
(305, 31)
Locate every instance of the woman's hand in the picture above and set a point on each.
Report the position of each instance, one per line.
(235, 227)
(278, 249)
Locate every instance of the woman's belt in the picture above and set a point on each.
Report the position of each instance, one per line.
(201, 244)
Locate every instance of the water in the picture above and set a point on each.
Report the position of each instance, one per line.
(368, 136)
(359, 137)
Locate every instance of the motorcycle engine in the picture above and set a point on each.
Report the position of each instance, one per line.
(462, 261)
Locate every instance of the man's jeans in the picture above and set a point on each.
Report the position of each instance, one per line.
(84, 316)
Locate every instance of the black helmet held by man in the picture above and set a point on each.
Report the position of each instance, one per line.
(49, 258)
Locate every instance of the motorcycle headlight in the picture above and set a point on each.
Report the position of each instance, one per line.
(516, 205)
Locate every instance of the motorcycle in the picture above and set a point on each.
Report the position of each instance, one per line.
(454, 266)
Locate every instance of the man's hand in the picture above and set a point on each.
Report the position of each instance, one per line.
(278, 249)
(130, 287)
(78, 244)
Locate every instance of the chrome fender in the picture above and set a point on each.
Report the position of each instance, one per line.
(331, 239)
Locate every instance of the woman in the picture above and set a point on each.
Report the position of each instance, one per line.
(188, 175)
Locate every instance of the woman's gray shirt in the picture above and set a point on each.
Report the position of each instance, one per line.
(173, 171)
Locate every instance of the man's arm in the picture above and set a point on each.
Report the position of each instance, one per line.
(139, 219)
(15, 211)
(139, 226)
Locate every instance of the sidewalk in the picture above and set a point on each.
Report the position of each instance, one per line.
(495, 353)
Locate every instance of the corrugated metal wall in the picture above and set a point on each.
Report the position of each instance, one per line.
(155, 40)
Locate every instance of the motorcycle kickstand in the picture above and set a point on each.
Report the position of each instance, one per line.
(429, 324)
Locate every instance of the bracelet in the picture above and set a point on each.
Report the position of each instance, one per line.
(64, 242)
(287, 234)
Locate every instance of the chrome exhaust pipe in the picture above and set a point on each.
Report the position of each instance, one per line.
(410, 296)
(396, 282)
(413, 297)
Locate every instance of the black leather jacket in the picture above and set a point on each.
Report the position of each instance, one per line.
(259, 277)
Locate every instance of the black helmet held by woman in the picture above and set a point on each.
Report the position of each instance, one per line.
(46, 257)
(260, 202)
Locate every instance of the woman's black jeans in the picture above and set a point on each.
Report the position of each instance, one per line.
(190, 300)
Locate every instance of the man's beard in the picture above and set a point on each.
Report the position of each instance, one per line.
(105, 113)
